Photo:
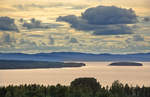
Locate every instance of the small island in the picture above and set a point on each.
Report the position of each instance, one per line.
(20, 64)
(125, 64)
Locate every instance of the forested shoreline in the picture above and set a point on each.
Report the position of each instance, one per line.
(80, 87)
(24, 64)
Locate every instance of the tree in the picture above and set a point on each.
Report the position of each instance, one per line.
(8, 94)
(88, 86)
(117, 89)
(86, 83)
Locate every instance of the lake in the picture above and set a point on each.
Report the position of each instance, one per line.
(100, 70)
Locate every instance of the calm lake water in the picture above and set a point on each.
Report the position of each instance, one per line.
(100, 70)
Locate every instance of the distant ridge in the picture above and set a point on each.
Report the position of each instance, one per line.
(75, 56)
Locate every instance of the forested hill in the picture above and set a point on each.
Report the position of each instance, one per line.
(75, 56)
(126, 64)
(80, 87)
(18, 64)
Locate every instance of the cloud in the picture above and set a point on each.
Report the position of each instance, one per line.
(73, 40)
(27, 43)
(146, 19)
(67, 37)
(51, 5)
(35, 24)
(138, 38)
(103, 20)
(78, 7)
(7, 39)
(36, 36)
(8, 24)
(135, 39)
(21, 20)
(78, 23)
(51, 40)
(103, 15)
(114, 30)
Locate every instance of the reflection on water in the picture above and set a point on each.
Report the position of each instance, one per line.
(103, 73)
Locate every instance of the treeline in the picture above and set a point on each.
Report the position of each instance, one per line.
(20, 64)
(81, 87)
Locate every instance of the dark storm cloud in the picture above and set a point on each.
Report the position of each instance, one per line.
(104, 15)
(103, 20)
(114, 30)
(8, 24)
(78, 23)
(34, 24)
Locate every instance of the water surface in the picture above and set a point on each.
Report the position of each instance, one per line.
(100, 70)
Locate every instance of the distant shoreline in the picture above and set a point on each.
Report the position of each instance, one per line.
(125, 64)
(76, 56)
(18, 64)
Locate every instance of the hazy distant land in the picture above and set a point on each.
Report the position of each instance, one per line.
(76, 56)
(125, 64)
(18, 64)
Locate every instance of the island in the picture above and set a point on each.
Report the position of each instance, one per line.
(125, 64)
(20, 64)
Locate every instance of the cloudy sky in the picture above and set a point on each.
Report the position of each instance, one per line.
(90, 26)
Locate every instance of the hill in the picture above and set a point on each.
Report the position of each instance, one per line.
(75, 56)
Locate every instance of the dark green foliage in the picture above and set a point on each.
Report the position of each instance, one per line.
(89, 86)
(81, 87)
(90, 83)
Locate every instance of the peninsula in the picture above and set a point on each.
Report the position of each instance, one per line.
(20, 64)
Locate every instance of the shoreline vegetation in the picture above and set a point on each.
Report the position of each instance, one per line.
(80, 87)
(29, 64)
(126, 64)
(20, 64)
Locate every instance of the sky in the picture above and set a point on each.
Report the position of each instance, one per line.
(88, 26)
